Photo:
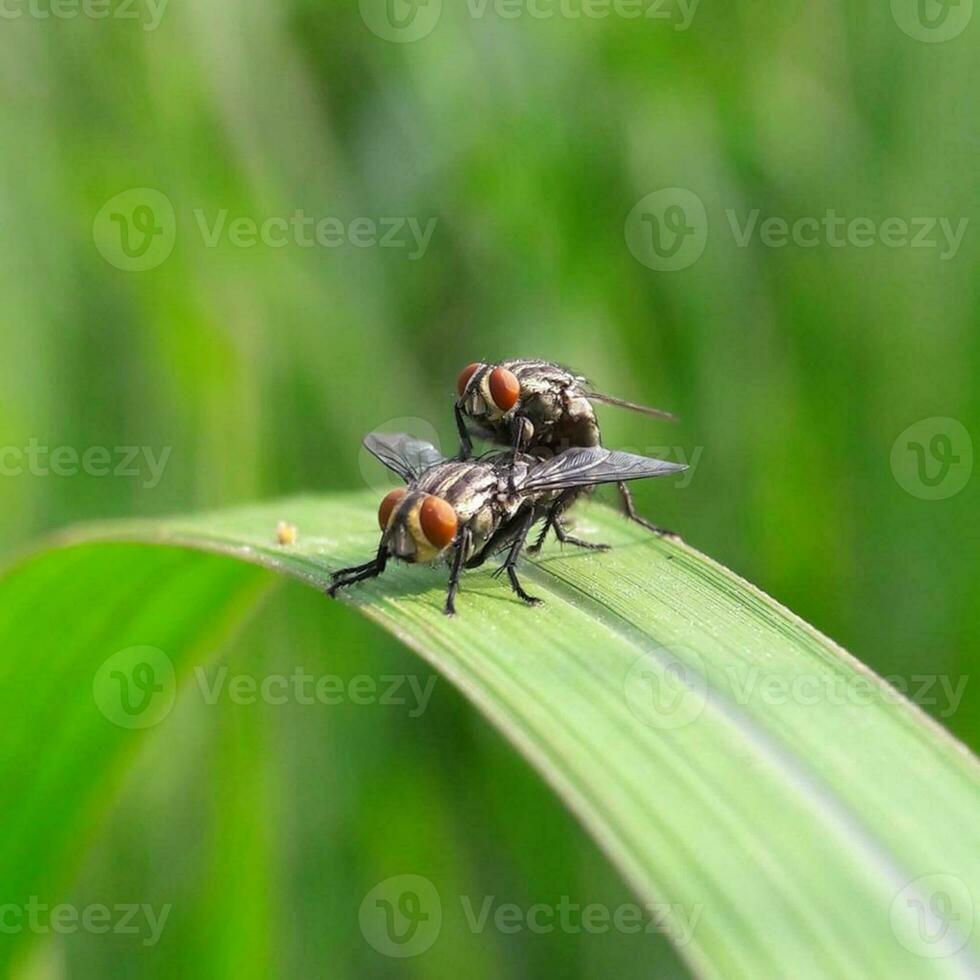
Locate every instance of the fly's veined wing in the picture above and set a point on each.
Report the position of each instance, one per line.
(403, 454)
(588, 467)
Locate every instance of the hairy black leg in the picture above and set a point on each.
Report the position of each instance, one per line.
(552, 519)
(536, 547)
(465, 443)
(561, 532)
(358, 573)
(462, 546)
(565, 538)
(344, 572)
(512, 556)
(631, 513)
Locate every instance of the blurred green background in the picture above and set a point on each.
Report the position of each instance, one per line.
(796, 371)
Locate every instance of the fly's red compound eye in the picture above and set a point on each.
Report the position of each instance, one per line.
(505, 389)
(438, 521)
(388, 505)
(464, 378)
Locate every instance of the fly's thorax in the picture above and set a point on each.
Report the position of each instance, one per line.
(554, 401)
(541, 411)
(441, 478)
(510, 472)
(465, 485)
(535, 375)
(471, 488)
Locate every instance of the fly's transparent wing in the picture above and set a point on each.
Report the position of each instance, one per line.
(403, 454)
(588, 467)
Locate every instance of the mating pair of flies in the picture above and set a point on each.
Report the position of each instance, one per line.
(469, 508)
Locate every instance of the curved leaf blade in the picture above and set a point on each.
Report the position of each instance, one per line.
(666, 701)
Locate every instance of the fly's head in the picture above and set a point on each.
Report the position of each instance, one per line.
(488, 393)
(418, 527)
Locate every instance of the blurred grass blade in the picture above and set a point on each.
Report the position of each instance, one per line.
(796, 815)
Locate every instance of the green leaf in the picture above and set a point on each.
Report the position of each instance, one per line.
(789, 812)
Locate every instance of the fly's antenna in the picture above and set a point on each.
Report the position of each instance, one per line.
(632, 406)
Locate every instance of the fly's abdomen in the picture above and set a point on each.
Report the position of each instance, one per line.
(577, 425)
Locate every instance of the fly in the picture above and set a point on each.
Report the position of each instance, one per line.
(537, 407)
(464, 511)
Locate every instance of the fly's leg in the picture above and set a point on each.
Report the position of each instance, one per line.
(554, 515)
(346, 577)
(561, 532)
(517, 442)
(462, 546)
(536, 547)
(511, 561)
(565, 538)
(631, 513)
(554, 521)
(465, 443)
